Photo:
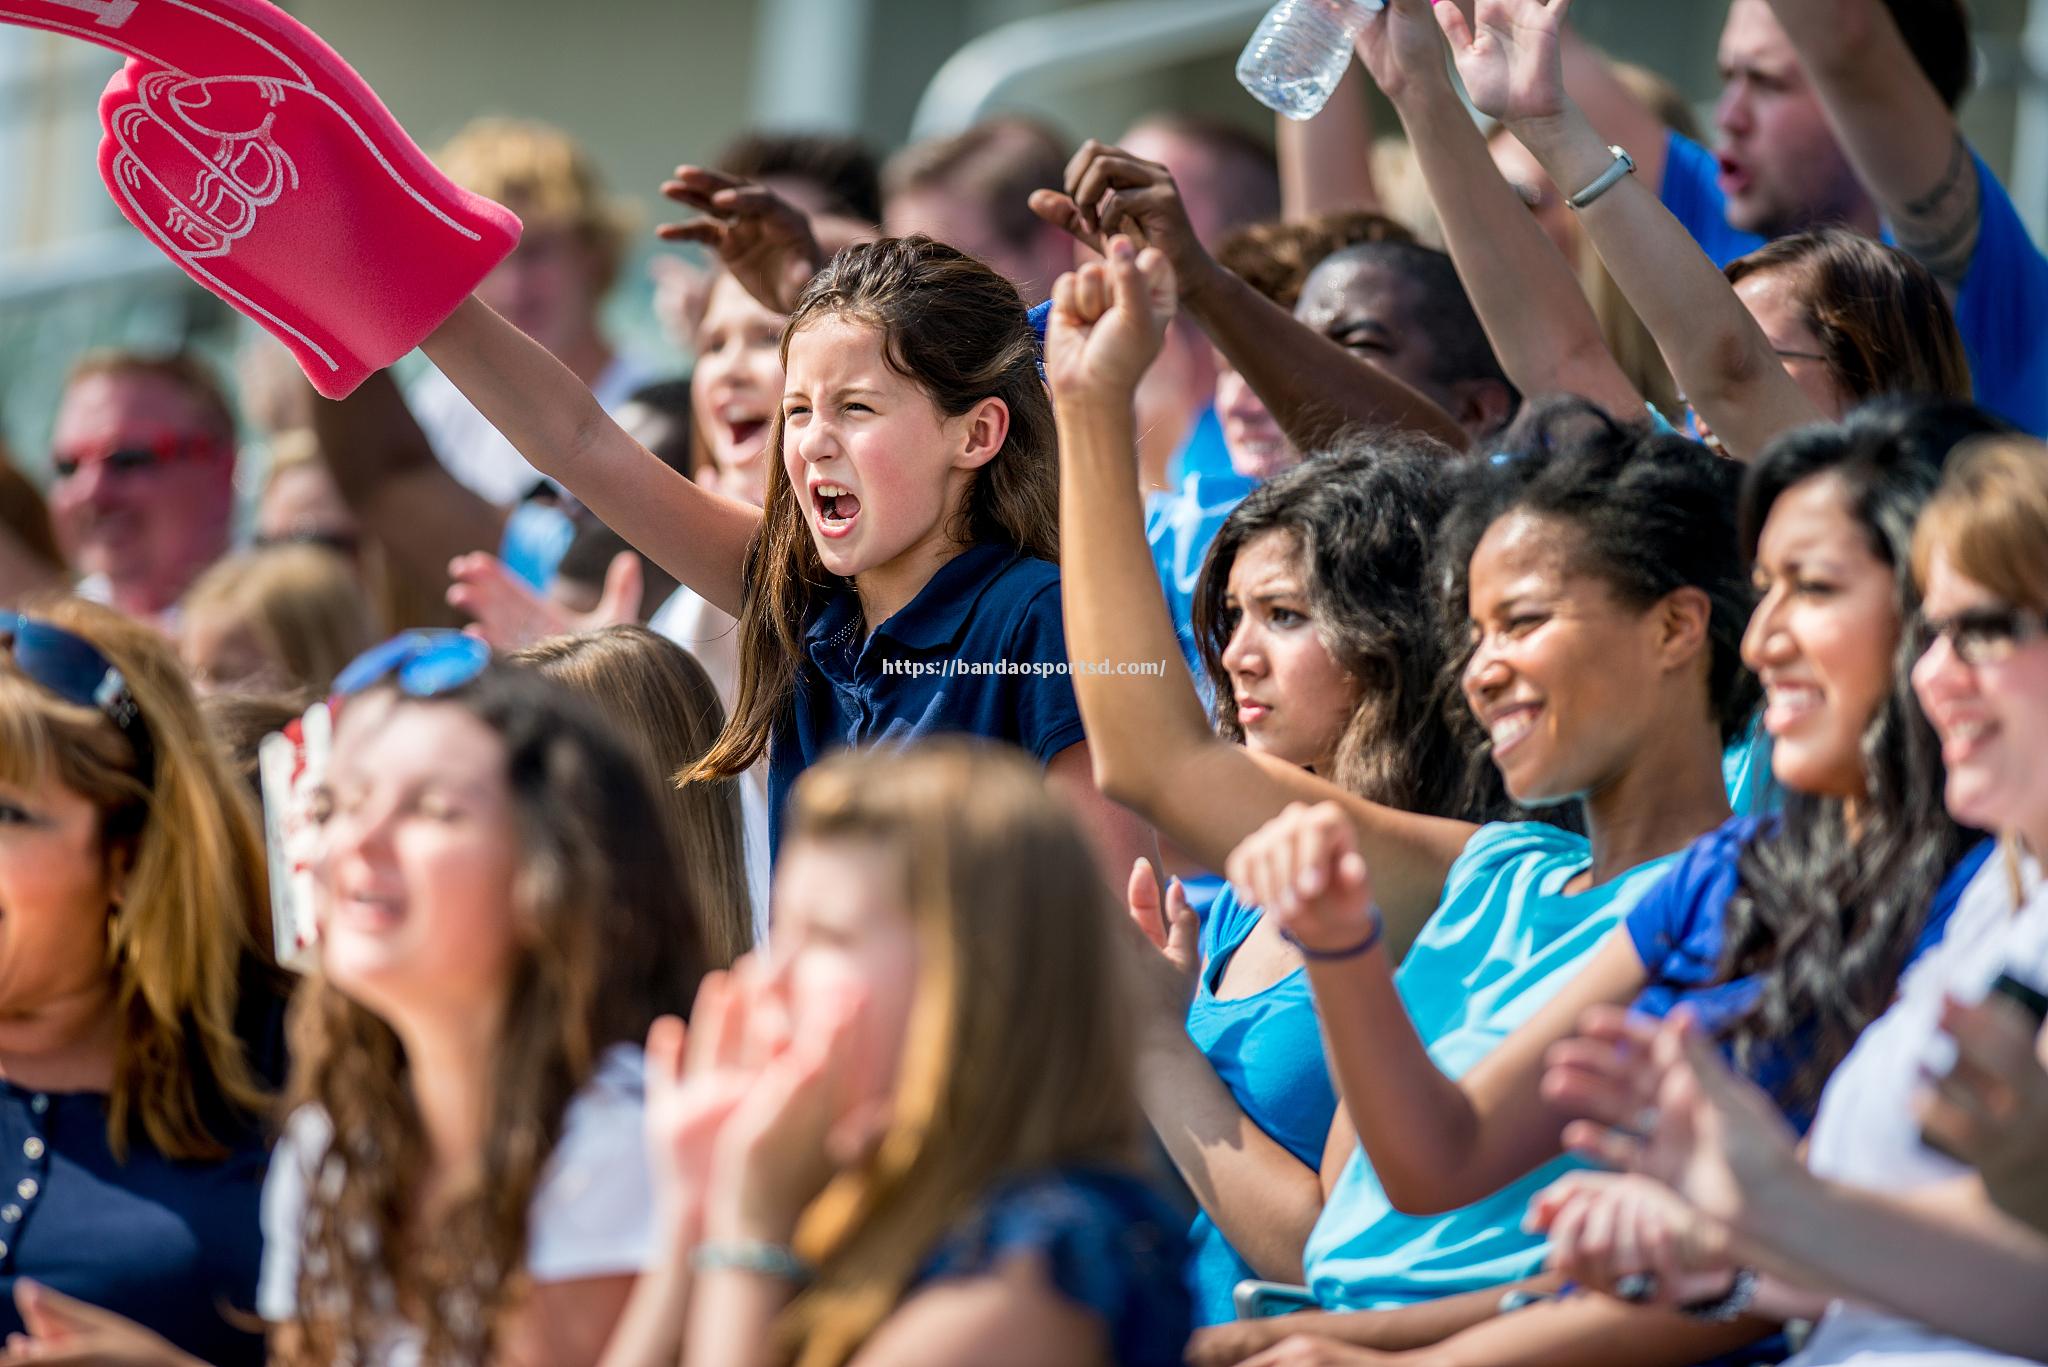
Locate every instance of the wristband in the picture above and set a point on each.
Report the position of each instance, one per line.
(1365, 946)
(1624, 165)
(751, 1255)
(1741, 1294)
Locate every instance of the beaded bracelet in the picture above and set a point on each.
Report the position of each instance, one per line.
(1731, 1305)
(1365, 946)
(751, 1255)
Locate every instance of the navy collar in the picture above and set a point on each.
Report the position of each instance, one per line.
(931, 620)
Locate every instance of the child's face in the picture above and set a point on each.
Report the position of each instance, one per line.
(421, 852)
(875, 466)
(737, 381)
(842, 929)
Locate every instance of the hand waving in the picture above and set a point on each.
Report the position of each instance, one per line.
(270, 173)
(1304, 867)
(763, 239)
(1510, 56)
(1108, 322)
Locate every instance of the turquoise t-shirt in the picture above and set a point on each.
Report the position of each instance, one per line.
(1268, 1050)
(1503, 941)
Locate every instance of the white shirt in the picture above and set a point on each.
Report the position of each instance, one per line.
(475, 452)
(1866, 1134)
(713, 637)
(592, 1213)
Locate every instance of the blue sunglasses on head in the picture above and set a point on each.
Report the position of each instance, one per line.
(73, 669)
(423, 664)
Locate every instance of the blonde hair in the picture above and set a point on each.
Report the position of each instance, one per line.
(194, 909)
(546, 177)
(303, 605)
(1018, 1056)
(663, 703)
(1989, 518)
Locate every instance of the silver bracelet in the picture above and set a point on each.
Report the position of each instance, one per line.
(752, 1255)
(1741, 1294)
(1623, 165)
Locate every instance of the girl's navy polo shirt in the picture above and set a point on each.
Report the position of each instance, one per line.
(981, 650)
(174, 1246)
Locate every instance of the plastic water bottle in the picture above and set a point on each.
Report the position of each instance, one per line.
(1300, 51)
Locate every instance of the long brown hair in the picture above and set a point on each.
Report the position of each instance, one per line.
(1018, 1056)
(195, 910)
(609, 942)
(666, 708)
(959, 331)
(1883, 322)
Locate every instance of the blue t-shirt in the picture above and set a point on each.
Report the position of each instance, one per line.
(1180, 525)
(1268, 1050)
(1999, 308)
(981, 650)
(1107, 1243)
(175, 1247)
(1505, 939)
(1677, 929)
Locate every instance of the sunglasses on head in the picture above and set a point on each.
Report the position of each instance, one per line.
(132, 457)
(1987, 635)
(423, 664)
(73, 669)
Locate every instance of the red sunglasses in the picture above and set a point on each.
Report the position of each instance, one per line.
(131, 456)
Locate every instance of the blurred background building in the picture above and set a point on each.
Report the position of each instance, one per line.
(650, 83)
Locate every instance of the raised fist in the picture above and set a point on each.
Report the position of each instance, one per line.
(243, 146)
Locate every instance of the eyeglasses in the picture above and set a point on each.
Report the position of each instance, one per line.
(424, 664)
(133, 457)
(1988, 635)
(73, 669)
(1784, 355)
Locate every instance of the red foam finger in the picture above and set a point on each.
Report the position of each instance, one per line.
(269, 172)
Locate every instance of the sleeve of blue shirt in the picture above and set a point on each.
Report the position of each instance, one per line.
(1692, 192)
(1048, 719)
(2002, 312)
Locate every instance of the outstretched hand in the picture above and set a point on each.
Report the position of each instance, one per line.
(1304, 867)
(269, 172)
(1108, 322)
(1510, 56)
(763, 239)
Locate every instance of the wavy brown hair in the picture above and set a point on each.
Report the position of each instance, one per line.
(665, 706)
(1883, 322)
(195, 913)
(1018, 1056)
(958, 331)
(609, 942)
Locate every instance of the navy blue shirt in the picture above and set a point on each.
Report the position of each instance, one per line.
(174, 1246)
(981, 650)
(1677, 928)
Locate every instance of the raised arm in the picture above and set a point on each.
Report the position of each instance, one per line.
(1901, 137)
(1326, 161)
(1525, 293)
(388, 475)
(1314, 387)
(1151, 743)
(698, 536)
(1511, 63)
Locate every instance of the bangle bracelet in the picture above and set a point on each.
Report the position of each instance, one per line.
(1365, 946)
(751, 1255)
(1623, 165)
(1741, 1294)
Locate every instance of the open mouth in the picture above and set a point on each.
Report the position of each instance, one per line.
(1788, 704)
(1734, 175)
(837, 506)
(1509, 729)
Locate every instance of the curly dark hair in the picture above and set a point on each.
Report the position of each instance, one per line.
(1826, 911)
(1362, 518)
(1655, 513)
(614, 943)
